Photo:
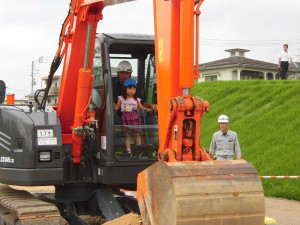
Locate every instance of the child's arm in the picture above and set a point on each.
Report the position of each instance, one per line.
(144, 108)
(118, 105)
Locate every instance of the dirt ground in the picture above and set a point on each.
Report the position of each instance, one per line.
(129, 219)
(286, 212)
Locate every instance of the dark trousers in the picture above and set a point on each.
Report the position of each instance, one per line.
(284, 66)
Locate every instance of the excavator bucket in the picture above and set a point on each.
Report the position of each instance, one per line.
(203, 193)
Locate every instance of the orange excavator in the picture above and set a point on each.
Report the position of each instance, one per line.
(78, 145)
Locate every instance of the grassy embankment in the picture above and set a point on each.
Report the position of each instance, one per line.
(266, 117)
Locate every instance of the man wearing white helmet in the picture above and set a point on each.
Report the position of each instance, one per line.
(124, 71)
(225, 144)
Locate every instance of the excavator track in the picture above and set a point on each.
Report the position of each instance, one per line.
(19, 207)
(203, 193)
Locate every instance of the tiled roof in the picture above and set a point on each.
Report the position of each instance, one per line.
(295, 66)
(239, 61)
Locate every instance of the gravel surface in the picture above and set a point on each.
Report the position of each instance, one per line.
(286, 212)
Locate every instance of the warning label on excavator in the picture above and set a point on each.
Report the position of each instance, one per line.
(161, 50)
(45, 137)
(47, 141)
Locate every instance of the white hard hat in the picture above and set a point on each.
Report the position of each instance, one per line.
(124, 66)
(223, 119)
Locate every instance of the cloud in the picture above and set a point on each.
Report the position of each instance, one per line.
(257, 24)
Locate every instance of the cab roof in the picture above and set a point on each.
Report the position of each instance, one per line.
(137, 37)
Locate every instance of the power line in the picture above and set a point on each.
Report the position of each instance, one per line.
(261, 43)
(235, 40)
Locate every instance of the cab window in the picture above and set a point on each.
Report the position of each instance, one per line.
(136, 140)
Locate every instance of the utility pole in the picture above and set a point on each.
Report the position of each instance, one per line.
(298, 56)
(32, 78)
(34, 71)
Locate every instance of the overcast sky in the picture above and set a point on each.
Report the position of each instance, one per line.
(30, 29)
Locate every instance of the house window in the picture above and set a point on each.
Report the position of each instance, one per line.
(211, 78)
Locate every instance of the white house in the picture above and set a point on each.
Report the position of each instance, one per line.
(238, 67)
(54, 90)
(295, 67)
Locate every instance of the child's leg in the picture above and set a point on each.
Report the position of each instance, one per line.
(137, 137)
(127, 142)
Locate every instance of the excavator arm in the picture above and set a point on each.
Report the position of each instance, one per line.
(186, 186)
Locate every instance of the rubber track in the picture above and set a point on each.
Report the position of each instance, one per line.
(21, 208)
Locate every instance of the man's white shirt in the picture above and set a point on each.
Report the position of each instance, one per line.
(284, 56)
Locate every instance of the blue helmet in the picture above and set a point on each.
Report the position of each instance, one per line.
(129, 82)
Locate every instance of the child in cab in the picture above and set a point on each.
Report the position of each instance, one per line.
(129, 103)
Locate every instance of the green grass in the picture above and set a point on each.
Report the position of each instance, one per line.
(266, 117)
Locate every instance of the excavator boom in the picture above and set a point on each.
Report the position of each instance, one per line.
(77, 44)
(187, 187)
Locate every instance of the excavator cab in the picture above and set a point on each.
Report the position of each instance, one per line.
(110, 49)
(139, 51)
(141, 57)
